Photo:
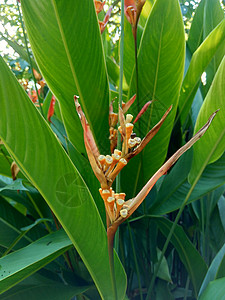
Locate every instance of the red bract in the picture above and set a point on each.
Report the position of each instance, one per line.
(105, 21)
(99, 6)
(132, 10)
(51, 109)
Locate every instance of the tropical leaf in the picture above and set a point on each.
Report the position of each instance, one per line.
(157, 56)
(36, 152)
(192, 260)
(68, 32)
(24, 262)
(215, 290)
(213, 15)
(5, 163)
(215, 271)
(211, 146)
(50, 291)
(195, 36)
(199, 61)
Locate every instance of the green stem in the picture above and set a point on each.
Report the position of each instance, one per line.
(135, 262)
(110, 235)
(15, 242)
(29, 58)
(119, 146)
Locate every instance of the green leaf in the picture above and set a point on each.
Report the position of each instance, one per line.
(192, 260)
(45, 163)
(14, 186)
(145, 12)
(195, 36)
(213, 15)
(163, 272)
(113, 72)
(50, 291)
(211, 146)
(43, 291)
(129, 52)
(5, 166)
(215, 290)
(216, 268)
(173, 192)
(200, 60)
(161, 52)
(20, 264)
(66, 42)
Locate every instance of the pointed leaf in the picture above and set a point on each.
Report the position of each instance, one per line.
(215, 290)
(192, 260)
(215, 268)
(66, 42)
(195, 36)
(45, 163)
(211, 147)
(213, 15)
(24, 262)
(157, 56)
(198, 64)
(50, 291)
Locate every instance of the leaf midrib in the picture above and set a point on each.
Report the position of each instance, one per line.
(70, 61)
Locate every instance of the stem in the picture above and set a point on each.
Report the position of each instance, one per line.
(20, 236)
(29, 58)
(110, 235)
(119, 146)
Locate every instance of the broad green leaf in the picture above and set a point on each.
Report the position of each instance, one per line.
(173, 192)
(14, 186)
(192, 260)
(213, 15)
(211, 146)
(66, 42)
(200, 59)
(216, 267)
(45, 163)
(21, 51)
(20, 264)
(160, 65)
(195, 36)
(215, 290)
(145, 12)
(53, 291)
(5, 164)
